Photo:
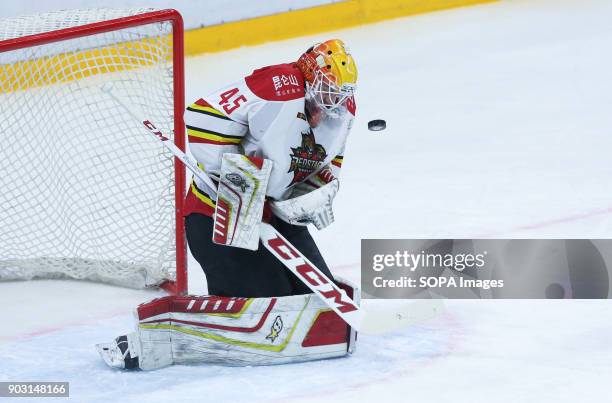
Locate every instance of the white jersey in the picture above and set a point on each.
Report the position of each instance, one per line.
(263, 115)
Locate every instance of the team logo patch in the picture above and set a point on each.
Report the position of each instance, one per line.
(275, 330)
(306, 158)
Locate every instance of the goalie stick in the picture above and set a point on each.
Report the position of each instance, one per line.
(281, 248)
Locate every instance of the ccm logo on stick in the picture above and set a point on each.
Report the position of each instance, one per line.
(154, 130)
(311, 275)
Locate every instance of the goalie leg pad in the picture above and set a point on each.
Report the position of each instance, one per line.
(233, 331)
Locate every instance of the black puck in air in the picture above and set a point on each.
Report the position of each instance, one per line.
(377, 125)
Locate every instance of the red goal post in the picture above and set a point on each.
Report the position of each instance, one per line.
(100, 57)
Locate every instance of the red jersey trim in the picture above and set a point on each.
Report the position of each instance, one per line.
(198, 201)
(281, 82)
(193, 139)
(351, 105)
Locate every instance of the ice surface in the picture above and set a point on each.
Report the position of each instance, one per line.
(498, 124)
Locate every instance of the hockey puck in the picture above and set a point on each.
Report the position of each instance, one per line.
(377, 125)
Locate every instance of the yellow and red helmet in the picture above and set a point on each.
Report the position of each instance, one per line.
(330, 74)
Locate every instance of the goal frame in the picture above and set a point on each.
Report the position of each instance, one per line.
(178, 287)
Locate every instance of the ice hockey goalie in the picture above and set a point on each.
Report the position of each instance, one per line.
(284, 129)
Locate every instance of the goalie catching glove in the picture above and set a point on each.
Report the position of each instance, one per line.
(311, 201)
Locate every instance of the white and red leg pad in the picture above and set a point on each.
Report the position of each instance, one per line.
(240, 331)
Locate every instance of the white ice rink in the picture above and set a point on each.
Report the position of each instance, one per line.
(499, 125)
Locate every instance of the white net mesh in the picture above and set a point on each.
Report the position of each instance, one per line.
(85, 192)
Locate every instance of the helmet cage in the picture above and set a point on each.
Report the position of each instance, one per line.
(327, 95)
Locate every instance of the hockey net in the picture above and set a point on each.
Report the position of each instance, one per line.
(85, 192)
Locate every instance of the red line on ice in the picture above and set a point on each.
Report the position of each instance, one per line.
(51, 329)
(549, 223)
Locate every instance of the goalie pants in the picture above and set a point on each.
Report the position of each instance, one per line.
(236, 272)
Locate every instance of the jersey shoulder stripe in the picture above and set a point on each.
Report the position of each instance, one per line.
(207, 111)
(205, 124)
(199, 135)
(204, 107)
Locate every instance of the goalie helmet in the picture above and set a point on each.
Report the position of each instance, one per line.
(330, 74)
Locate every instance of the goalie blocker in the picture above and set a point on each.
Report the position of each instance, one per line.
(234, 331)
